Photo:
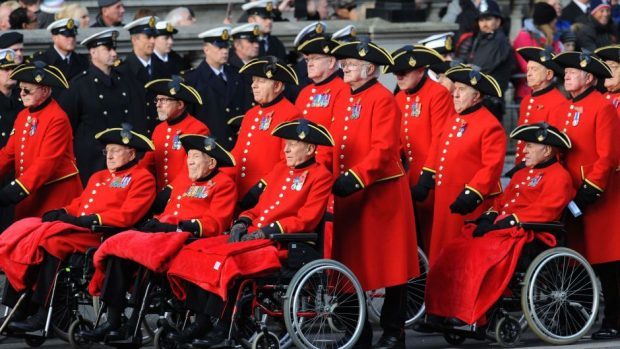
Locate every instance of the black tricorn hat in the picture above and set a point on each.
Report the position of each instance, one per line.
(320, 45)
(363, 50)
(209, 146)
(411, 57)
(609, 53)
(175, 88)
(305, 131)
(40, 73)
(542, 56)
(125, 136)
(484, 83)
(541, 133)
(583, 61)
(270, 67)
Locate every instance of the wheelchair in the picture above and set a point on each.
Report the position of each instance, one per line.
(310, 302)
(554, 292)
(415, 296)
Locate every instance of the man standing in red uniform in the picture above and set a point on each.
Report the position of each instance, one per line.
(371, 189)
(40, 148)
(466, 165)
(591, 122)
(172, 98)
(425, 105)
(256, 151)
(545, 97)
(611, 56)
(118, 196)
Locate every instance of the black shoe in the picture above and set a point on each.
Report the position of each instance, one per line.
(390, 342)
(189, 333)
(454, 322)
(606, 333)
(424, 327)
(102, 331)
(214, 338)
(35, 322)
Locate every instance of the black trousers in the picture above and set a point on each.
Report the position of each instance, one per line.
(120, 276)
(609, 274)
(393, 315)
(200, 301)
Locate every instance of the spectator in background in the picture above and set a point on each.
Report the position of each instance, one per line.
(346, 9)
(538, 31)
(143, 12)
(14, 41)
(561, 25)
(569, 41)
(33, 6)
(48, 11)
(574, 10)
(596, 29)
(22, 18)
(181, 17)
(111, 13)
(5, 11)
(78, 12)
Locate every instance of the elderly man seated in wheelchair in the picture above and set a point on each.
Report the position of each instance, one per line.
(32, 249)
(198, 205)
(472, 273)
(292, 198)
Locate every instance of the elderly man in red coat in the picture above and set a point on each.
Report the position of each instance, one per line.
(172, 99)
(293, 200)
(40, 148)
(535, 107)
(425, 106)
(118, 196)
(466, 165)
(592, 124)
(371, 188)
(471, 273)
(200, 204)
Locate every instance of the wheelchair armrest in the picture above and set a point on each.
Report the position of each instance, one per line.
(295, 237)
(551, 227)
(106, 230)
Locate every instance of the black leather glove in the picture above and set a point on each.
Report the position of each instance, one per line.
(52, 215)
(426, 182)
(67, 218)
(237, 231)
(88, 221)
(12, 194)
(155, 226)
(485, 223)
(346, 184)
(259, 234)
(466, 202)
(586, 195)
(251, 197)
(191, 226)
(161, 200)
(504, 223)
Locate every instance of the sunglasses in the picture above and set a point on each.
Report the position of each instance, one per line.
(26, 90)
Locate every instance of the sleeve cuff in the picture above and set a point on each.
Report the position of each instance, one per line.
(22, 186)
(428, 169)
(245, 220)
(475, 191)
(590, 183)
(273, 228)
(358, 179)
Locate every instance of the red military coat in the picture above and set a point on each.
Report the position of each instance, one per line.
(318, 100)
(536, 107)
(168, 159)
(210, 201)
(591, 122)
(294, 199)
(119, 199)
(424, 111)
(40, 151)
(257, 151)
(614, 98)
(470, 154)
(374, 229)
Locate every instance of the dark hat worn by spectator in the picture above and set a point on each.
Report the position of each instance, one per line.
(568, 36)
(314, 39)
(125, 136)
(304, 130)
(484, 83)
(408, 58)
(272, 68)
(209, 146)
(542, 133)
(11, 38)
(609, 53)
(174, 88)
(7, 59)
(542, 56)
(585, 62)
(65, 27)
(219, 36)
(39, 73)
(103, 38)
(106, 3)
(364, 50)
(543, 13)
(492, 9)
(596, 5)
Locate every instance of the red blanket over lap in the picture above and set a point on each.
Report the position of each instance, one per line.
(151, 250)
(213, 263)
(471, 274)
(22, 245)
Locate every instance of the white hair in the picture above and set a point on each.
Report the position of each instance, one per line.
(364, 72)
(177, 14)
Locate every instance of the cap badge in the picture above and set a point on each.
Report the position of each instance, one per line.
(9, 57)
(326, 48)
(412, 62)
(169, 27)
(173, 91)
(319, 28)
(363, 51)
(152, 22)
(255, 31)
(70, 24)
(269, 74)
(448, 43)
(38, 78)
(225, 35)
(269, 6)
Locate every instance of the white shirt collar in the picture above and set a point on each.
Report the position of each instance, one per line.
(164, 58)
(144, 63)
(582, 6)
(216, 71)
(61, 55)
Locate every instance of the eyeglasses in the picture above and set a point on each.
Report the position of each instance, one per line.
(105, 152)
(314, 59)
(350, 65)
(26, 90)
(163, 100)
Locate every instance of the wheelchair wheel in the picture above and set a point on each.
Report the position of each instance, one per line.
(266, 341)
(75, 336)
(161, 340)
(453, 338)
(560, 296)
(34, 342)
(415, 296)
(507, 332)
(324, 306)
(70, 304)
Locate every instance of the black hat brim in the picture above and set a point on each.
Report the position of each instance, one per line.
(39, 73)
(538, 55)
(542, 134)
(319, 45)
(113, 136)
(183, 92)
(260, 67)
(313, 133)
(485, 84)
(407, 59)
(216, 151)
(609, 53)
(576, 60)
(369, 52)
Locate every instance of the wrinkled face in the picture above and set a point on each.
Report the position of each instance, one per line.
(613, 83)
(117, 155)
(163, 43)
(246, 49)
(354, 70)
(4, 79)
(409, 79)
(535, 153)
(489, 24)
(168, 108)
(64, 43)
(575, 80)
(537, 75)
(33, 95)
(216, 54)
(602, 15)
(319, 66)
(19, 52)
(265, 24)
(297, 152)
(103, 55)
(264, 90)
(114, 13)
(199, 164)
(143, 44)
(464, 96)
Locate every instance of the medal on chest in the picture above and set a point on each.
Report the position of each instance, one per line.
(615, 102)
(298, 181)
(416, 107)
(120, 182)
(534, 181)
(356, 110)
(32, 122)
(199, 191)
(462, 129)
(577, 115)
(321, 100)
(176, 140)
(265, 121)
